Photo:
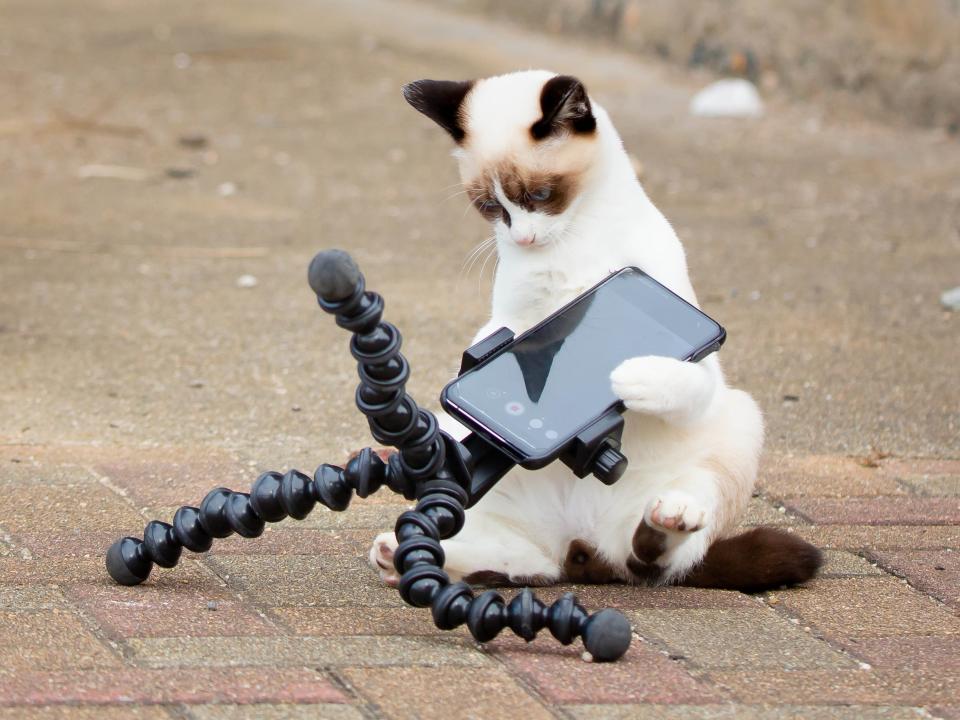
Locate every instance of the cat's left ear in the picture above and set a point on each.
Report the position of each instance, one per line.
(440, 100)
(565, 107)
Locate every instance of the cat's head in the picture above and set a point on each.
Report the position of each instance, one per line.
(525, 144)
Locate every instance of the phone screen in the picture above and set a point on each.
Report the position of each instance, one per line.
(553, 381)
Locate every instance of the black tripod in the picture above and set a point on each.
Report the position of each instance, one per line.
(444, 475)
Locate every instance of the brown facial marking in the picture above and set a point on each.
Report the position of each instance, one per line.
(522, 187)
(584, 565)
(648, 546)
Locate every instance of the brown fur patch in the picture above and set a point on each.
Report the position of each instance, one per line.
(757, 560)
(584, 565)
(648, 545)
(519, 184)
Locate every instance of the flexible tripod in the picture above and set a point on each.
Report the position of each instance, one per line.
(443, 474)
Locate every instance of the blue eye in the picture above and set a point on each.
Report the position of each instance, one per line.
(541, 194)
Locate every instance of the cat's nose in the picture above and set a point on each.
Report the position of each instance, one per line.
(525, 240)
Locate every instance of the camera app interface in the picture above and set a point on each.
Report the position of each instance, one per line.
(543, 390)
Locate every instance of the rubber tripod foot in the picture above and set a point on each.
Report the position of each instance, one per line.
(607, 636)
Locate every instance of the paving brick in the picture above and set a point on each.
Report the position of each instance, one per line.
(914, 469)
(50, 640)
(945, 712)
(52, 503)
(31, 597)
(6, 543)
(294, 651)
(305, 580)
(326, 711)
(868, 607)
(929, 652)
(935, 572)
(360, 515)
(149, 611)
(441, 693)
(935, 485)
(635, 597)
(644, 674)
(838, 563)
(169, 685)
(347, 620)
(89, 712)
(372, 518)
(881, 537)
(878, 511)
(831, 687)
(822, 476)
(170, 475)
(92, 571)
(739, 712)
(757, 638)
(288, 538)
(763, 512)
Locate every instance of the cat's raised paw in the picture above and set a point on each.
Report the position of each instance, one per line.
(648, 384)
(381, 558)
(676, 511)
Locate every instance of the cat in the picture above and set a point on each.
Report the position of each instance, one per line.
(542, 162)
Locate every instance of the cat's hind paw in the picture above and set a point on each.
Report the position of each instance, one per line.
(381, 558)
(676, 511)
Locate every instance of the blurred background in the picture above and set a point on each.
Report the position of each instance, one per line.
(168, 168)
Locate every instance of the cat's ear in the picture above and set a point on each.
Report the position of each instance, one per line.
(440, 100)
(565, 107)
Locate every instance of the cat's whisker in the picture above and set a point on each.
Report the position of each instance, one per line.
(493, 253)
(456, 194)
(475, 254)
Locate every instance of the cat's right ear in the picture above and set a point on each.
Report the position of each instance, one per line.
(440, 100)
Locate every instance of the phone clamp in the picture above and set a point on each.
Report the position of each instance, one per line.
(594, 450)
(445, 476)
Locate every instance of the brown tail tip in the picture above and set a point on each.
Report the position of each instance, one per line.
(757, 560)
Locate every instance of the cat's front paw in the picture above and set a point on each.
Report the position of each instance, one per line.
(646, 384)
(381, 558)
(676, 511)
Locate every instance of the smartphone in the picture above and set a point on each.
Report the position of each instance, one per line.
(536, 394)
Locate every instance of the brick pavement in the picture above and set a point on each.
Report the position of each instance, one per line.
(136, 372)
(293, 625)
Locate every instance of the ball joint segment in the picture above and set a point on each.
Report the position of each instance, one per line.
(429, 466)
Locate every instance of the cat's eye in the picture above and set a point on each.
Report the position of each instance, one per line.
(541, 194)
(489, 206)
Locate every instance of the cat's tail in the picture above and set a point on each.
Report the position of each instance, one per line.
(757, 560)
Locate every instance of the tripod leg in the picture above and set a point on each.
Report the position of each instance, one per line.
(428, 459)
(223, 512)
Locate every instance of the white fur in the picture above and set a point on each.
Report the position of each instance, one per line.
(692, 442)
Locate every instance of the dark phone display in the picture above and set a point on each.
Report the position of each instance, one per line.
(541, 391)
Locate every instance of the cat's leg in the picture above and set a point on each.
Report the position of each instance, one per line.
(702, 502)
(676, 391)
(496, 558)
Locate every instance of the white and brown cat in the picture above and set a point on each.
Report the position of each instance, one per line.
(542, 162)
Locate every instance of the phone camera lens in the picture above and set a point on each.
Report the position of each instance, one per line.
(536, 423)
(551, 434)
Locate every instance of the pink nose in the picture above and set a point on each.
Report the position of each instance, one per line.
(525, 240)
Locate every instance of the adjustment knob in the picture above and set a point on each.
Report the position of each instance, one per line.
(609, 464)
